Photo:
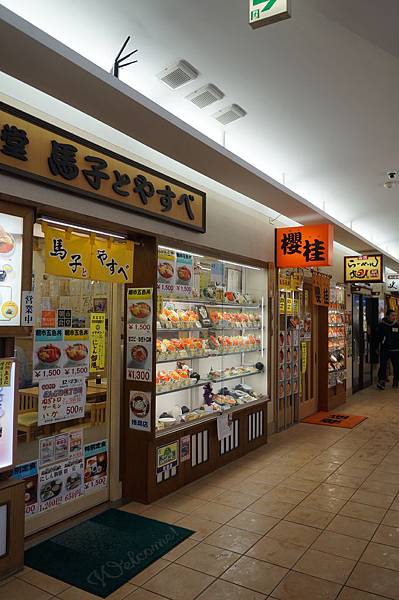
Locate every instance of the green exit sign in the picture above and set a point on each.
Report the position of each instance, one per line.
(264, 12)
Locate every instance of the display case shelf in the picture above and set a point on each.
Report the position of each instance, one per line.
(188, 329)
(210, 303)
(222, 354)
(204, 381)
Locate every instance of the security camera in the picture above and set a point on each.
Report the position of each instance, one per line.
(392, 175)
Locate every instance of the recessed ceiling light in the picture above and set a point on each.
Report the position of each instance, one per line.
(178, 75)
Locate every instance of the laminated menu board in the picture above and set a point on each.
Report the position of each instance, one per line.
(60, 352)
(61, 400)
(96, 466)
(60, 483)
(184, 274)
(166, 270)
(139, 334)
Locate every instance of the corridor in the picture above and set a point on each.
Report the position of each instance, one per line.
(313, 515)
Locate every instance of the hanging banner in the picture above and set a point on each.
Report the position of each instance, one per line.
(29, 473)
(27, 315)
(67, 254)
(112, 261)
(60, 353)
(140, 411)
(304, 246)
(321, 289)
(166, 271)
(184, 274)
(139, 334)
(61, 400)
(364, 269)
(97, 342)
(96, 466)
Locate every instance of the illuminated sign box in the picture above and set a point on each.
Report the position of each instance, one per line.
(364, 269)
(304, 246)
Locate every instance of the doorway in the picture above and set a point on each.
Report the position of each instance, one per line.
(309, 398)
(365, 320)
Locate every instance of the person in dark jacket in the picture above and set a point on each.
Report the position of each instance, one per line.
(388, 338)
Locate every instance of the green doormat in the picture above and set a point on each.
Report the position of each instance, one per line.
(105, 552)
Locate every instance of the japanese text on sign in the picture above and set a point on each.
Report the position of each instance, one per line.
(97, 342)
(61, 400)
(63, 160)
(321, 289)
(364, 269)
(139, 334)
(307, 246)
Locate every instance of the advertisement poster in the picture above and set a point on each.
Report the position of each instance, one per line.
(46, 450)
(27, 319)
(167, 457)
(185, 447)
(224, 426)
(217, 272)
(73, 479)
(95, 466)
(140, 411)
(5, 373)
(139, 334)
(29, 473)
(166, 270)
(75, 444)
(60, 352)
(184, 274)
(63, 446)
(61, 400)
(11, 230)
(97, 342)
(51, 486)
(392, 283)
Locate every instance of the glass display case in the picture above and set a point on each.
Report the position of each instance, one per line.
(336, 337)
(210, 348)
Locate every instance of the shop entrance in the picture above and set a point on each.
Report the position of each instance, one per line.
(308, 400)
(365, 320)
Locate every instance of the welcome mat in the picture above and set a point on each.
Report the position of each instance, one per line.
(105, 552)
(334, 419)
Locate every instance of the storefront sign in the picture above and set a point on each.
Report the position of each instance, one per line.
(392, 283)
(37, 150)
(60, 353)
(167, 457)
(304, 246)
(7, 407)
(140, 411)
(29, 473)
(139, 334)
(364, 269)
(321, 289)
(265, 12)
(185, 448)
(61, 400)
(97, 342)
(96, 466)
(11, 230)
(112, 261)
(27, 309)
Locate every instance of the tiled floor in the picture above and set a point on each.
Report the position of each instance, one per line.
(313, 515)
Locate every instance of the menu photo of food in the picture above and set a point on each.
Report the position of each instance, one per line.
(184, 269)
(140, 312)
(76, 353)
(139, 354)
(59, 352)
(11, 229)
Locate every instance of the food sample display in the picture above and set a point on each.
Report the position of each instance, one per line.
(336, 337)
(210, 338)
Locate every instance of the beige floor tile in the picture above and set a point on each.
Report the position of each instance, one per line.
(44, 582)
(391, 518)
(395, 504)
(208, 559)
(254, 488)
(203, 490)
(354, 527)
(7, 580)
(325, 566)
(345, 480)
(303, 485)
(294, 533)
(179, 583)
(255, 574)
(298, 586)
(201, 527)
(362, 511)
(250, 521)
(141, 594)
(387, 535)
(223, 590)
(310, 516)
(271, 508)
(321, 502)
(159, 513)
(334, 491)
(238, 499)
(181, 503)
(352, 594)
(380, 488)
(73, 593)
(216, 512)
(16, 589)
(312, 475)
(276, 552)
(372, 499)
(381, 556)
(179, 550)
(340, 545)
(375, 580)
(149, 572)
(134, 507)
(231, 538)
(286, 494)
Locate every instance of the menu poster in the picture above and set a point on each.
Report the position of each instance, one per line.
(60, 352)
(11, 230)
(61, 400)
(76, 444)
(46, 450)
(97, 342)
(184, 274)
(166, 270)
(51, 486)
(140, 411)
(95, 466)
(29, 473)
(63, 446)
(73, 479)
(224, 426)
(139, 334)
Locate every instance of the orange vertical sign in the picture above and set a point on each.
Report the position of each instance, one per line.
(304, 246)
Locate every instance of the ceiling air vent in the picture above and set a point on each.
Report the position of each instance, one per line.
(229, 114)
(205, 96)
(178, 75)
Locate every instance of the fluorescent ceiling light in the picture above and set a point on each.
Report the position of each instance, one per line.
(228, 262)
(84, 229)
(181, 251)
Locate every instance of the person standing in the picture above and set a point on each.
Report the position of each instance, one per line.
(388, 339)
